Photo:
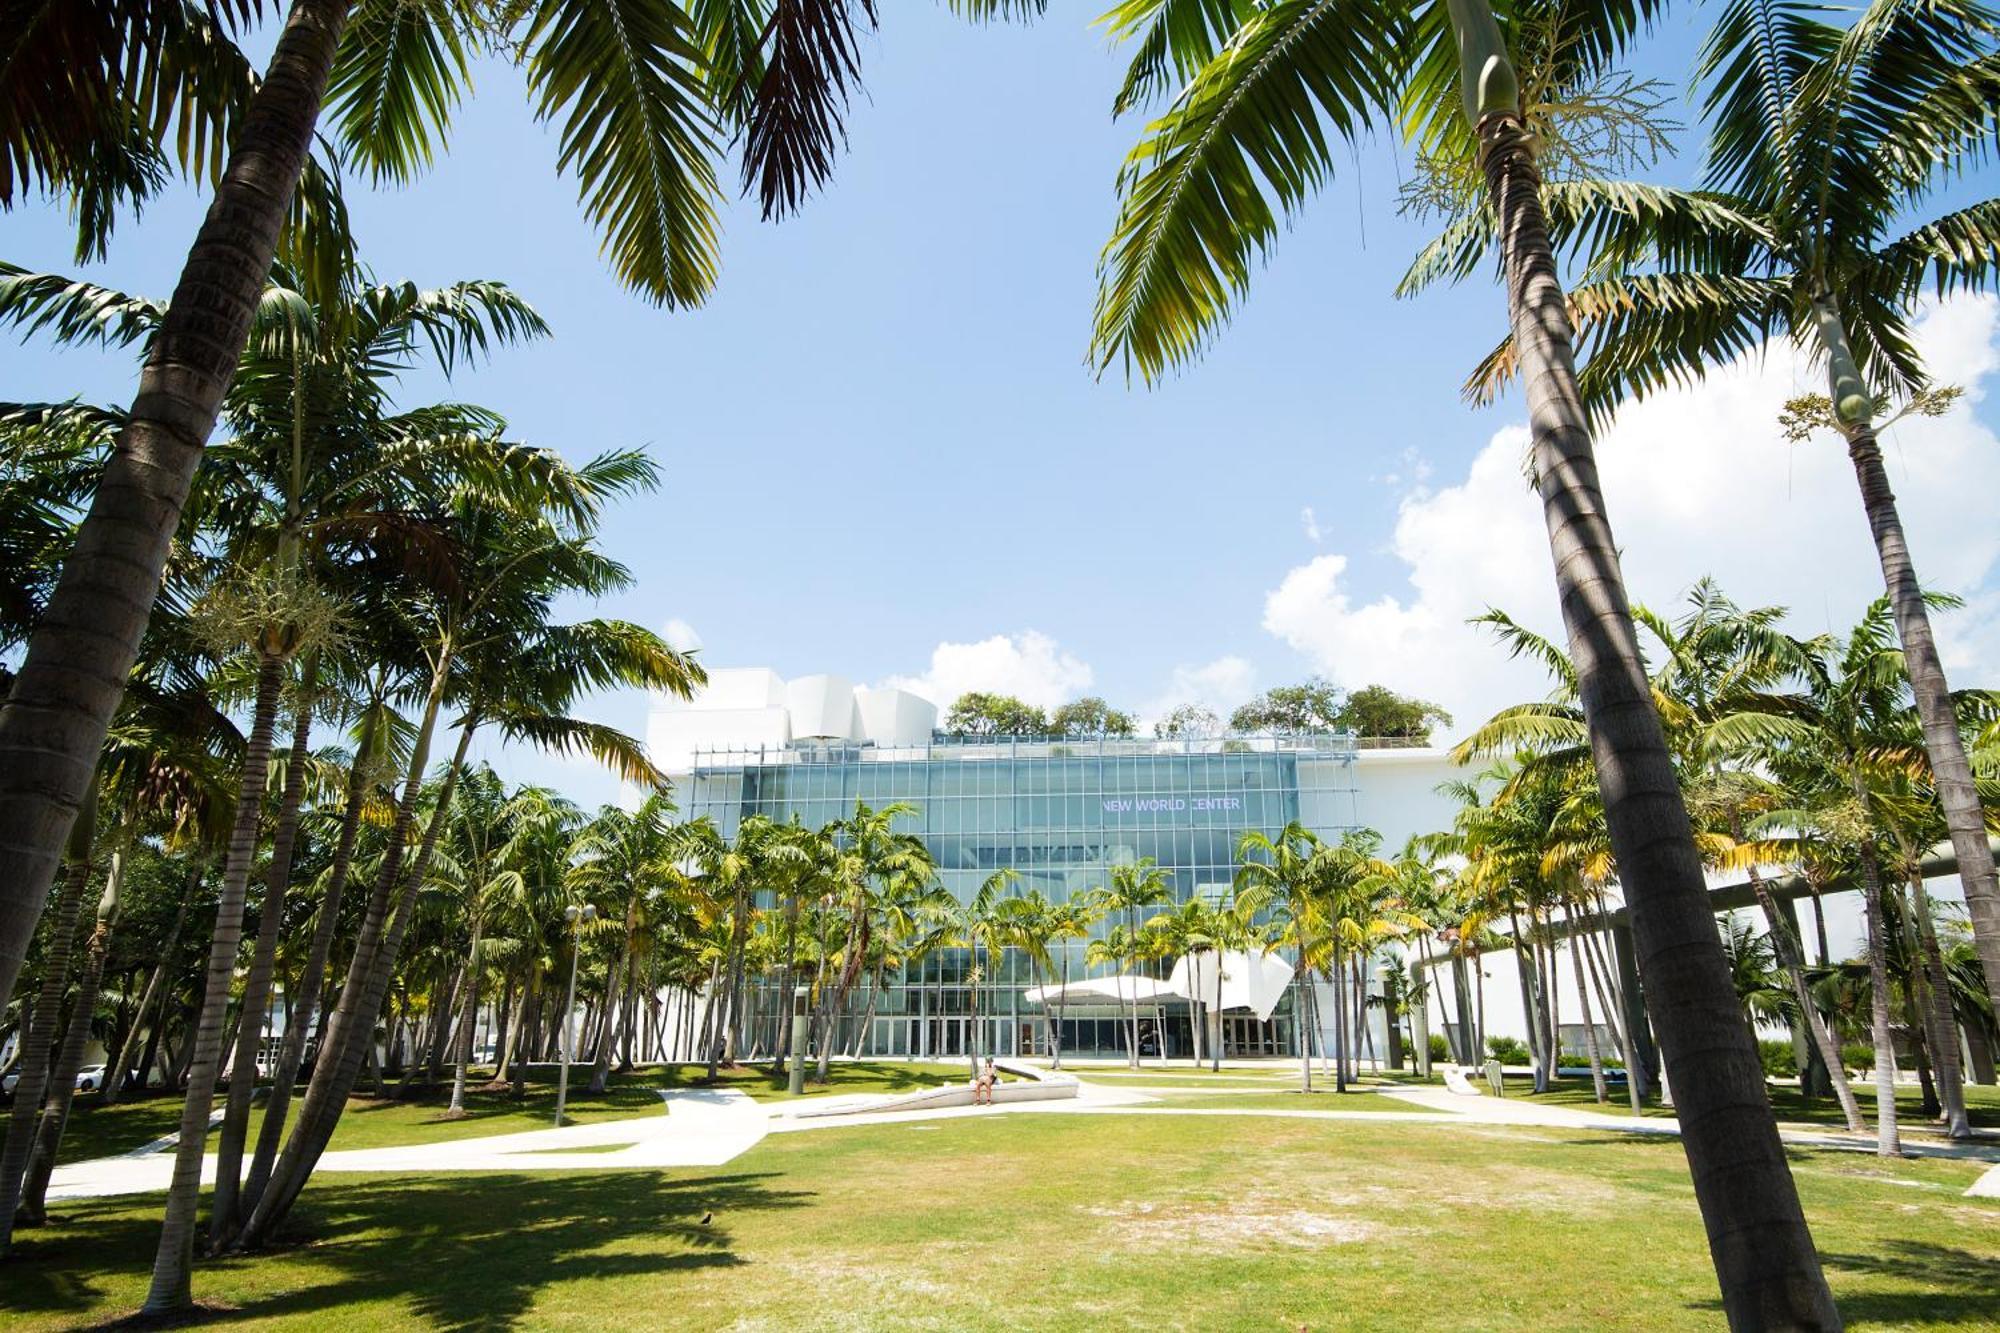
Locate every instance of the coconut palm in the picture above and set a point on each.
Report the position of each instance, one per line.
(1242, 146)
(1816, 221)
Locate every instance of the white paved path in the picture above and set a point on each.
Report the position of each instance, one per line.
(697, 1127)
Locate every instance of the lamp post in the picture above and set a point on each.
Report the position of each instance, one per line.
(798, 1068)
(576, 916)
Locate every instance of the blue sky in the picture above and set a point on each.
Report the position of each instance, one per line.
(880, 435)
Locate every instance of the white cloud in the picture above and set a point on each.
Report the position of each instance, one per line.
(1030, 666)
(1310, 523)
(1218, 686)
(681, 636)
(1698, 481)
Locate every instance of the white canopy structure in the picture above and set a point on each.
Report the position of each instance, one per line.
(1123, 988)
(1246, 981)
(1255, 982)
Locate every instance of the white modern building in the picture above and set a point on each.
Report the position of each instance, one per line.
(1061, 813)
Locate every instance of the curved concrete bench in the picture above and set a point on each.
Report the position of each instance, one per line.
(1454, 1081)
(1034, 1085)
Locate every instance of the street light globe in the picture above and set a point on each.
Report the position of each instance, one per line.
(570, 914)
(590, 912)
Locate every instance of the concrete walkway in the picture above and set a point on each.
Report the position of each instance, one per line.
(709, 1127)
(698, 1127)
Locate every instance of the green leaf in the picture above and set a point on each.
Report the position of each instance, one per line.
(627, 80)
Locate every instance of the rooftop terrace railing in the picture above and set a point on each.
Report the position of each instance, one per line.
(985, 749)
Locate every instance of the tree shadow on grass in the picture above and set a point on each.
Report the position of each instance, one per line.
(456, 1252)
(1950, 1286)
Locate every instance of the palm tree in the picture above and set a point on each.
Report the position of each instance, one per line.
(982, 926)
(1134, 886)
(1838, 749)
(1071, 919)
(492, 647)
(1243, 144)
(1031, 927)
(620, 856)
(1286, 873)
(873, 856)
(1192, 931)
(1815, 220)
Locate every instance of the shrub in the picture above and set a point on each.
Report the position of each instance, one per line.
(1780, 1059)
(1440, 1048)
(1509, 1051)
(1857, 1055)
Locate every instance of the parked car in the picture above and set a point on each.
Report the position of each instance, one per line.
(88, 1079)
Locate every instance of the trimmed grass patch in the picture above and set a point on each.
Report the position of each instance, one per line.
(1053, 1222)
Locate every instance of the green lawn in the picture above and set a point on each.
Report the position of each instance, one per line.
(1320, 1099)
(1053, 1222)
(98, 1131)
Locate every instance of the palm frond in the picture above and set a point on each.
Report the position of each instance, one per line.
(1242, 147)
(395, 81)
(626, 77)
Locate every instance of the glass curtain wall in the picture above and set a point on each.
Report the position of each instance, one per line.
(1061, 814)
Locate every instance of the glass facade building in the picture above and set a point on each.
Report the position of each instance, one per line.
(1060, 814)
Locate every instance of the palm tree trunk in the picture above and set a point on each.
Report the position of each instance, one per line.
(1589, 1027)
(1062, 1007)
(114, 1082)
(223, 1209)
(1621, 1034)
(299, 1013)
(1307, 1023)
(1768, 1270)
(468, 1016)
(69, 684)
(173, 1264)
(62, 1085)
(739, 934)
(38, 1034)
(600, 1068)
(350, 1035)
(1339, 1024)
(1788, 958)
(1951, 770)
(1887, 1142)
(1937, 985)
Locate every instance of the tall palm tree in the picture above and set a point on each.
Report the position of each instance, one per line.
(1838, 749)
(1286, 872)
(983, 927)
(1243, 145)
(1069, 920)
(1815, 221)
(1133, 887)
(493, 648)
(620, 857)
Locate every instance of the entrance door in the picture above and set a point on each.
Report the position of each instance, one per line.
(948, 1036)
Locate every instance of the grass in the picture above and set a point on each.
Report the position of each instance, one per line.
(1320, 1099)
(95, 1130)
(1052, 1222)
